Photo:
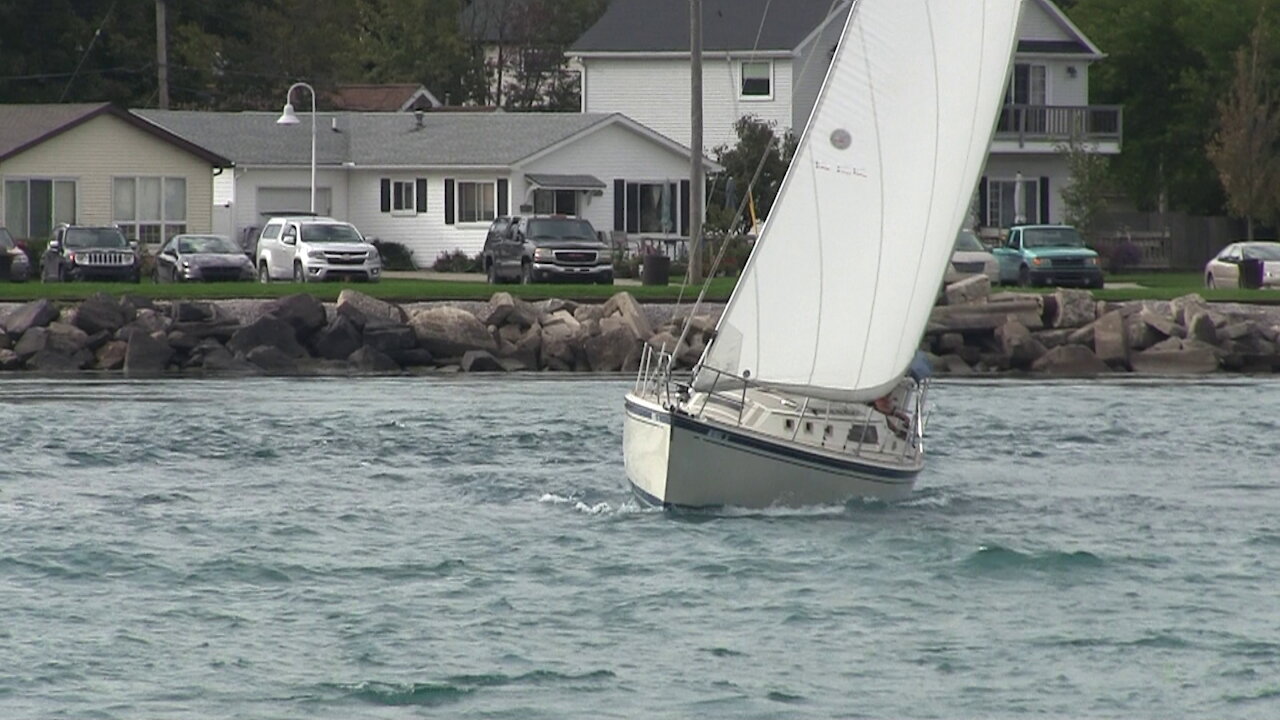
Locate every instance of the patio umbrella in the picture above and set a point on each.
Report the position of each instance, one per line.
(1019, 200)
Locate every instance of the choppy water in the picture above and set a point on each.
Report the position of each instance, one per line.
(467, 548)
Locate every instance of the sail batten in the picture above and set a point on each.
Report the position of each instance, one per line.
(839, 287)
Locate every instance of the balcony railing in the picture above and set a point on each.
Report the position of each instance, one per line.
(1060, 124)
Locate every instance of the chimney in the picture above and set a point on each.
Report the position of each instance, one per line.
(417, 115)
(333, 124)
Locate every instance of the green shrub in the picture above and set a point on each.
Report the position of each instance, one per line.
(458, 262)
(395, 256)
(35, 248)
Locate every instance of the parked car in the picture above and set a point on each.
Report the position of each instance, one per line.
(1224, 270)
(83, 252)
(193, 258)
(314, 249)
(545, 248)
(14, 263)
(971, 257)
(1047, 255)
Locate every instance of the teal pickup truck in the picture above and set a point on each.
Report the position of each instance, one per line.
(1047, 255)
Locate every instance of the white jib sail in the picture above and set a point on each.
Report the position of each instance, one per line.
(839, 287)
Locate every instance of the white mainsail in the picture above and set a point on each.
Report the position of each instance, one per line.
(838, 290)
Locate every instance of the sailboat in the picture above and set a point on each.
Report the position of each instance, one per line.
(807, 392)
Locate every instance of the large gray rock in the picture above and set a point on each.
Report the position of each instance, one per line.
(219, 329)
(987, 316)
(9, 360)
(1017, 344)
(267, 330)
(189, 311)
(6, 342)
(557, 346)
(56, 361)
(480, 361)
(1071, 308)
(972, 289)
(632, 314)
(394, 341)
(1110, 342)
(608, 351)
(448, 332)
(146, 356)
(146, 321)
(111, 355)
(66, 338)
(32, 341)
(1053, 338)
(369, 360)
(1202, 326)
(1186, 361)
(1182, 308)
(1070, 361)
(302, 311)
(38, 313)
(218, 360)
(100, 312)
(338, 339)
(361, 309)
(272, 360)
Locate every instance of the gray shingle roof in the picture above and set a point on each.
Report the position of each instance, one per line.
(25, 126)
(376, 139)
(663, 25)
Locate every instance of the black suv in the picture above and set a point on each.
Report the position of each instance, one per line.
(541, 248)
(80, 252)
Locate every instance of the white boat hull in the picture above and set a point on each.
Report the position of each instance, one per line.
(674, 460)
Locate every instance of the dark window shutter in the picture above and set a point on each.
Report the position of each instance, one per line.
(420, 195)
(983, 220)
(502, 197)
(1044, 201)
(633, 207)
(684, 207)
(620, 205)
(386, 195)
(448, 201)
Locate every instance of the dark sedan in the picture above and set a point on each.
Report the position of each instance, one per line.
(197, 258)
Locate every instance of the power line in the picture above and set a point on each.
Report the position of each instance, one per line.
(96, 34)
(96, 71)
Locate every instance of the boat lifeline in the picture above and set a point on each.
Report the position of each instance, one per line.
(805, 395)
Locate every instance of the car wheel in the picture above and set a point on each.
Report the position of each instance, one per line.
(1024, 276)
(1208, 281)
(526, 274)
(264, 275)
(298, 275)
(607, 280)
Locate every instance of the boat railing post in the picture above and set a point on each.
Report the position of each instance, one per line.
(804, 407)
(866, 422)
(746, 379)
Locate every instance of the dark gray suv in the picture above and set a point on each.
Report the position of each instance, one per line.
(539, 248)
(81, 252)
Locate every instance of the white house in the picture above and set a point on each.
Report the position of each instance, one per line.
(435, 181)
(768, 58)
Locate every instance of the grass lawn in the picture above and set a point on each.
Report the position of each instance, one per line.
(392, 290)
(1167, 286)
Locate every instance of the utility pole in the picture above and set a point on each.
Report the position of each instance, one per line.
(162, 54)
(696, 186)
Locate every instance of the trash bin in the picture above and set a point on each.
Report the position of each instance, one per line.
(656, 270)
(1251, 273)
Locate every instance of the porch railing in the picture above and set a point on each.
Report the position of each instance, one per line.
(1054, 123)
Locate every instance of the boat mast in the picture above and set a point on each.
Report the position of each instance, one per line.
(695, 142)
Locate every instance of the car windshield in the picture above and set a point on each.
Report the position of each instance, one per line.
(6, 240)
(330, 232)
(1051, 237)
(966, 241)
(561, 229)
(1262, 252)
(211, 244)
(94, 238)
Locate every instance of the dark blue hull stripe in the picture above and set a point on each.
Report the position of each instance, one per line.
(779, 451)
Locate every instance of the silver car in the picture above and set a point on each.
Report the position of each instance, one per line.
(1224, 270)
(195, 258)
(971, 258)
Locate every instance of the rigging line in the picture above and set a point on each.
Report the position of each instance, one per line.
(933, 185)
(92, 41)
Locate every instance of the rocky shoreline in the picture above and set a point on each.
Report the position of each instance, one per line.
(971, 332)
(358, 334)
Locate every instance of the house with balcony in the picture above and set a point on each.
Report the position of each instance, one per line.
(768, 59)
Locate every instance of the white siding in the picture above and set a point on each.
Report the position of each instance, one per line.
(655, 92)
(245, 212)
(611, 153)
(1037, 24)
(106, 147)
(1005, 167)
(224, 187)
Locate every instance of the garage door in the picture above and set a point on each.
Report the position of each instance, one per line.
(286, 199)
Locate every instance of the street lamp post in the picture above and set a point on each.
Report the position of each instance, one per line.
(288, 117)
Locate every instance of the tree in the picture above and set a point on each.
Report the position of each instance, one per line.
(1085, 195)
(1246, 148)
(756, 141)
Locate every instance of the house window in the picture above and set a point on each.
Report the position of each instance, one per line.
(757, 79)
(555, 202)
(402, 196)
(1002, 205)
(149, 209)
(651, 207)
(477, 201)
(1026, 95)
(32, 207)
